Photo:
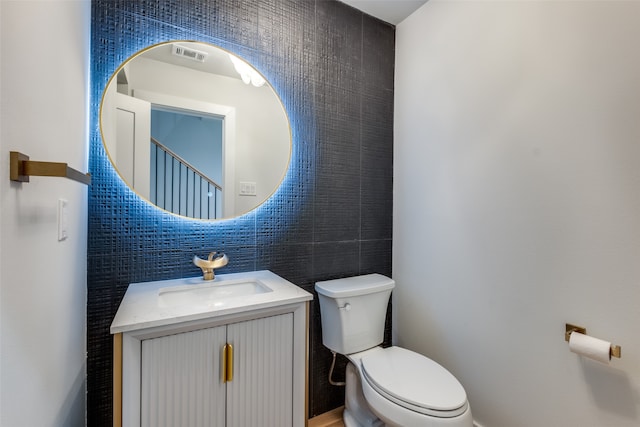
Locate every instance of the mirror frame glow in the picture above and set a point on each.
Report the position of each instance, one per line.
(232, 135)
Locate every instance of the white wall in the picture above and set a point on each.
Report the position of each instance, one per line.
(43, 93)
(517, 203)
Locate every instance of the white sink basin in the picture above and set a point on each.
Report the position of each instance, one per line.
(214, 294)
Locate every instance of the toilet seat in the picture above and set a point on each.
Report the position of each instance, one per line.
(414, 382)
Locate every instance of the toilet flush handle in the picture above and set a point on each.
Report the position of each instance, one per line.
(346, 307)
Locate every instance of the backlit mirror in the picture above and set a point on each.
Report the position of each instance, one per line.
(195, 130)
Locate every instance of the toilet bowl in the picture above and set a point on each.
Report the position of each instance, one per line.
(384, 386)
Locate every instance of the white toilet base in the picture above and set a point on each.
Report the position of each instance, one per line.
(356, 410)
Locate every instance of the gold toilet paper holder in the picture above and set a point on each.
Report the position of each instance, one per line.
(614, 351)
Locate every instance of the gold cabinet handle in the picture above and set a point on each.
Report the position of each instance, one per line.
(227, 363)
(229, 369)
(223, 369)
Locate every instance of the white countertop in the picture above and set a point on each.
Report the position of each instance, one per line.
(141, 307)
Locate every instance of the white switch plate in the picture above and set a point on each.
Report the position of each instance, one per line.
(62, 220)
(247, 188)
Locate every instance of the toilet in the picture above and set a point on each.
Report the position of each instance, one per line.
(384, 386)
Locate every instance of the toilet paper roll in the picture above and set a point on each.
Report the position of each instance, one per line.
(590, 347)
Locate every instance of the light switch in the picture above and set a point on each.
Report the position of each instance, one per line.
(62, 220)
(247, 188)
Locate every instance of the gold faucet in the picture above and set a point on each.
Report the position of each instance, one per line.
(209, 264)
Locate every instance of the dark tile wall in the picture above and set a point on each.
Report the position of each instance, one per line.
(332, 217)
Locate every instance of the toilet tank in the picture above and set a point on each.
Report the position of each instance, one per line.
(353, 311)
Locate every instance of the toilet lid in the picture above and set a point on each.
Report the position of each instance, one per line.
(414, 382)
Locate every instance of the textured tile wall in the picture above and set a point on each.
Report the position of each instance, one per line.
(332, 217)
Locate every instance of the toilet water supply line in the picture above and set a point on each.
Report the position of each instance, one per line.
(332, 382)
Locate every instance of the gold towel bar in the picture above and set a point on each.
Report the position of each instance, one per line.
(21, 168)
(615, 351)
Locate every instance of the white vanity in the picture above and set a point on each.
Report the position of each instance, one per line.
(228, 352)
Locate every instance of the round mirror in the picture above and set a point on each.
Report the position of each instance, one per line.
(195, 130)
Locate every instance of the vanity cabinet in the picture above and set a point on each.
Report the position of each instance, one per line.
(230, 352)
(248, 369)
(237, 375)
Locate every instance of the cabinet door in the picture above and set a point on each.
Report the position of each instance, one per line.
(181, 382)
(261, 391)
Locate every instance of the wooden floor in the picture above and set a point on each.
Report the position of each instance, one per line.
(328, 419)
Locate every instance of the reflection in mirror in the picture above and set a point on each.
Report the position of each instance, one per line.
(194, 133)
